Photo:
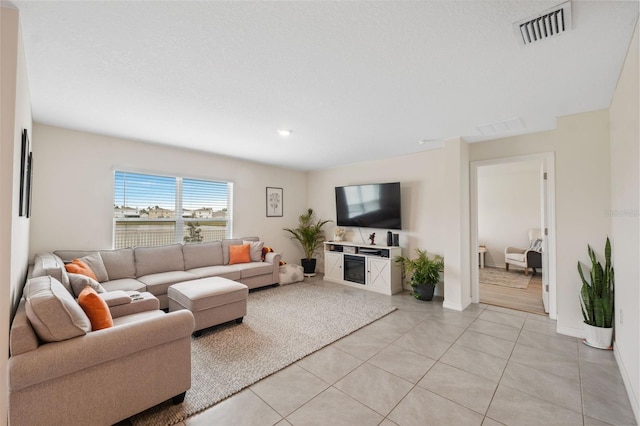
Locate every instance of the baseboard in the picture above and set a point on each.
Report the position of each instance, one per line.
(456, 306)
(570, 331)
(633, 398)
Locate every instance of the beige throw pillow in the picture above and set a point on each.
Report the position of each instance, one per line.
(52, 310)
(79, 282)
(94, 261)
(255, 250)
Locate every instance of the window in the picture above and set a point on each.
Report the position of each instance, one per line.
(152, 210)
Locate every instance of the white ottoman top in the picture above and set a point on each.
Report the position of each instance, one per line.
(207, 293)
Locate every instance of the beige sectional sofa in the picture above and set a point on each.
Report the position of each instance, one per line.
(154, 269)
(62, 372)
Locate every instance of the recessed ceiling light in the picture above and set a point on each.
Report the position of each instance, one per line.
(284, 132)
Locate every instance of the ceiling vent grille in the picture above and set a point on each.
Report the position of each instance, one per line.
(549, 23)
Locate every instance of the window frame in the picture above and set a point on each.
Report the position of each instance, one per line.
(178, 220)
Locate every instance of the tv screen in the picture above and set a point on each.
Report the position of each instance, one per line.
(369, 206)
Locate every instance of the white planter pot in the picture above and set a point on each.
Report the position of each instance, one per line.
(598, 337)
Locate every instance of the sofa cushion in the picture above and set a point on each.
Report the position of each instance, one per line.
(518, 257)
(50, 264)
(94, 261)
(202, 254)
(158, 284)
(252, 269)
(52, 310)
(255, 250)
(225, 247)
(126, 284)
(216, 271)
(153, 260)
(239, 254)
(79, 282)
(77, 266)
(96, 309)
(118, 263)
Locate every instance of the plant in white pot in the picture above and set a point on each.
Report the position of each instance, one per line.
(596, 299)
(310, 235)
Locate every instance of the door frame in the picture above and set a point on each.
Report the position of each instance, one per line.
(547, 160)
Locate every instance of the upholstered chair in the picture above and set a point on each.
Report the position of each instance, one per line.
(529, 258)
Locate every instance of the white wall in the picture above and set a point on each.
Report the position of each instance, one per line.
(625, 229)
(508, 206)
(15, 115)
(420, 177)
(457, 267)
(73, 188)
(581, 146)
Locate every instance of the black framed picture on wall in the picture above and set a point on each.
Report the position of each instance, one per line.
(274, 202)
(29, 197)
(24, 170)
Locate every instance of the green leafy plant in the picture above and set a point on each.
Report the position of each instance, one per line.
(423, 269)
(309, 233)
(596, 297)
(194, 233)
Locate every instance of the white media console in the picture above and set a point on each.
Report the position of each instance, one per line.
(369, 267)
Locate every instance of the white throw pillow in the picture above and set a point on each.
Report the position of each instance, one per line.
(536, 245)
(255, 250)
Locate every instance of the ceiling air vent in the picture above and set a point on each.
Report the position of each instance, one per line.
(549, 23)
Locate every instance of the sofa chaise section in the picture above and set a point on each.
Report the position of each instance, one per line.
(97, 377)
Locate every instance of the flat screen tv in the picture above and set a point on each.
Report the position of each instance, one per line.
(369, 206)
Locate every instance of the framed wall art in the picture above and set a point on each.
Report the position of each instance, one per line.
(24, 172)
(274, 202)
(29, 195)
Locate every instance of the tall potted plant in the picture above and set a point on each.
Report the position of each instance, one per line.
(425, 273)
(596, 300)
(310, 235)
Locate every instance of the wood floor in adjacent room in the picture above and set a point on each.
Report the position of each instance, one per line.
(527, 300)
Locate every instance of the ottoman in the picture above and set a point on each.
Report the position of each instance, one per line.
(212, 301)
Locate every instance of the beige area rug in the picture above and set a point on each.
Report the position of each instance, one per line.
(283, 325)
(497, 276)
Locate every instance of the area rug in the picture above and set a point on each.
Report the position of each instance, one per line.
(497, 276)
(283, 325)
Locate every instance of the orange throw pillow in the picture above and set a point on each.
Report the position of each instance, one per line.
(239, 254)
(96, 309)
(77, 266)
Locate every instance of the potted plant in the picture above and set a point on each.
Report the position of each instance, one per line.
(425, 273)
(310, 235)
(596, 300)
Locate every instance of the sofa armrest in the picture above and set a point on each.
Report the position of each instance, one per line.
(115, 298)
(273, 258)
(514, 250)
(138, 302)
(53, 360)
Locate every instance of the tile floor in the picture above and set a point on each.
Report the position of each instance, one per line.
(426, 365)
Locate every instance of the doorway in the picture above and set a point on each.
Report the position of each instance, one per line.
(509, 197)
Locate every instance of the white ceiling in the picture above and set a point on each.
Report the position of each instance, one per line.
(353, 80)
